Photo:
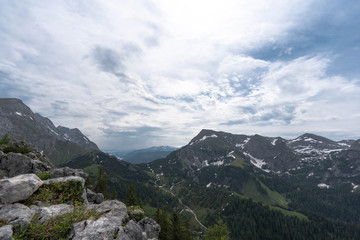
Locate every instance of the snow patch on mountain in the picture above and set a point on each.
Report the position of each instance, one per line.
(205, 137)
(218, 163)
(323, 185)
(256, 162)
(231, 154)
(242, 145)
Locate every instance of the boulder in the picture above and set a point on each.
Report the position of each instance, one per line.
(65, 179)
(101, 228)
(150, 227)
(17, 215)
(66, 172)
(6, 232)
(137, 214)
(110, 208)
(46, 213)
(134, 231)
(14, 164)
(18, 188)
(94, 197)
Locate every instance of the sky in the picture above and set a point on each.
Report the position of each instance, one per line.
(134, 74)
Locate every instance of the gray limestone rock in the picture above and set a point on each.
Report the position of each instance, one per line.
(66, 172)
(65, 179)
(137, 215)
(94, 197)
(101, 228)
(18, 188)
(46, 213)
(110, 208)
(6, 232)
(134, 231)
(14, 164)
(150, 227)
(17, 215)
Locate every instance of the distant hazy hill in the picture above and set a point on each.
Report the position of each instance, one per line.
(60, 144)
(145, 155)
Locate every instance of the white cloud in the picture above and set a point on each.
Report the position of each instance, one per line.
(173, 67)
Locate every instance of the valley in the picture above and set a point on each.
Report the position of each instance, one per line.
(259, 186)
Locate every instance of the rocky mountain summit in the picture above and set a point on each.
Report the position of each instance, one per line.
(35, 197)
(307, 156)
(59, 144)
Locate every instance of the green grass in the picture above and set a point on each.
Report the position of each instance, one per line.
(92, 170)
(290, 213)
(238, 162)
(270, 198)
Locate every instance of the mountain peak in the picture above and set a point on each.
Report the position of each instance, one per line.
(21, 123)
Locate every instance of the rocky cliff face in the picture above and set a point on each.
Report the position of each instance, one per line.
(60, 144)
(60, 203)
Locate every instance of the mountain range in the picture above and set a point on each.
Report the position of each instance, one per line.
(260, 186)
(144, 155)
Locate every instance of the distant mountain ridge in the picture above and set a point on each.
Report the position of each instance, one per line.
(308, 155)
(145, 155)
(60, 144)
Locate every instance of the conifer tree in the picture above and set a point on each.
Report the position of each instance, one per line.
(165, 225)
(114, 194)
(131, 199)
(218, 232)
(187, 234)
(176, 228)
(101, 183)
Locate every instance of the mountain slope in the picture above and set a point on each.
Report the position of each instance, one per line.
(60, 144)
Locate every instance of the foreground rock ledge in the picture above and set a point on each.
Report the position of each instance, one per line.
(18, 188)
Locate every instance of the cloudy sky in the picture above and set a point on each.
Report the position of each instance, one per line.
(132, 74)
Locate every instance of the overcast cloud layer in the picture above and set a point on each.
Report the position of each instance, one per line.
(133, 74)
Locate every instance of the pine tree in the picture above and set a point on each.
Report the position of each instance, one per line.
(165, 225)
(101, 183)
(218, 232)
(114, 194)
(176, 228)
(131, 199)
(187, 234)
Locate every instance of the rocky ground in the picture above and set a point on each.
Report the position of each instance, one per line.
(36, 198)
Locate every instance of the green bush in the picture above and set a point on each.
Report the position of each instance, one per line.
(57, 193)
(23, 149)
(3, 222)
(43, 175)
(5, 140)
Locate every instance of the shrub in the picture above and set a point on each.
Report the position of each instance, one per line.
(22, 148)
(3, 222)
(57, 193)
(43, 175)
(5, 140)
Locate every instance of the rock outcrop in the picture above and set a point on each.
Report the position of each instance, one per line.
(24, 199)
(13, 164)
(6, 232)
(17, 215)
(18, 188)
